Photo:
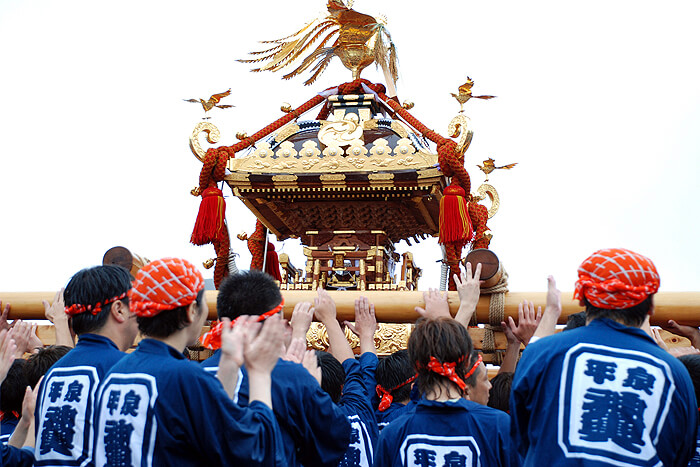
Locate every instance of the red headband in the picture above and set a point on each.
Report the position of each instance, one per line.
(386, 396)
(474, 367)
(212, 339)
(446, 369)
(77, 308)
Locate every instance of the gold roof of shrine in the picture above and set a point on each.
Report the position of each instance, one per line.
(355, 169)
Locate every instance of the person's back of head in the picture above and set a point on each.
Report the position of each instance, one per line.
(90, 293)
(332, 375)
(499, 396)
(40, 362)
(247, 293)
(394, 376)
(618, 284)
(692, 364)
(162, 294)
(436, 347)
(13, 388)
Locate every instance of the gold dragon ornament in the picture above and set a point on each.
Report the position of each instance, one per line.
(361, 40)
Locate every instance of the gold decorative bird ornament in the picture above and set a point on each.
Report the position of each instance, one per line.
(361, 40)
(489, 167)
(212, 102)
(465, 93)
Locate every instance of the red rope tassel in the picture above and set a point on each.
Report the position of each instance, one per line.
(455, 226)
(210, 218)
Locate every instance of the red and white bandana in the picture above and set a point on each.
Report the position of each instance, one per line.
(615, 278)
(164, 284)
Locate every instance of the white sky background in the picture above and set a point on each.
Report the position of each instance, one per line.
(598, 102)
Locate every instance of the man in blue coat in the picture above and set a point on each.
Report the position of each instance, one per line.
(157, 408)
(605, 393)
(96, 300)
(315, 430)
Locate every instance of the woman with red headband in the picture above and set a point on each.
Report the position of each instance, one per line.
(445, 428)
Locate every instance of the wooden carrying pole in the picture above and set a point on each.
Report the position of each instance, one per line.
(398, 306)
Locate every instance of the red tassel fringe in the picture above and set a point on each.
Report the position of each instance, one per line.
(455, 225)
(210, 218)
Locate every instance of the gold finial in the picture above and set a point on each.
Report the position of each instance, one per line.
(361, 40)
(286, 107)
(208, 264)
(465, 93)
(212, 102)
(241, 135)
(489, 167)
(196, 191)
(408, 105)
(242, 236)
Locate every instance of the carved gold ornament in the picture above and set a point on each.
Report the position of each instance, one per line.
(213, 136)
(388, 339)
(341, 133)
(356, 156)
(488, 190)
(459, 127)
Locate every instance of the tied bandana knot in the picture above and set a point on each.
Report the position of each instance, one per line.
(446, 369)
(164, 284)
(95, 309)
(386, 397)
(212, 339)
(616, 278)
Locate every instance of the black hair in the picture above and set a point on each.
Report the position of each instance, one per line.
(91, 286)
(332, 375)
(167, 322)
(499, 394)
(442, 338)
(39, 363)
(575, 320)
(12, 389)
(393, 370)
(247, 293)
(473, 358)
(633, 316)
(692, 364)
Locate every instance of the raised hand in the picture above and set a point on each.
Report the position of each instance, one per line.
(7, 353)
(20, 332)
(528, 321)
(552, 310)
(295, 351)
(310, 362)
(468, 289)
(262, 351)
(55, 312)
(3, 317)
(302, 316)
(365, 324)
(436, 305)
(324, 307)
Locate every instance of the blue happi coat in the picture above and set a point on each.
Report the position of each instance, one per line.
(155, 407)
(602, 394)
(355, 403)
(451, 433)
(66, 399)
(315, 431)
